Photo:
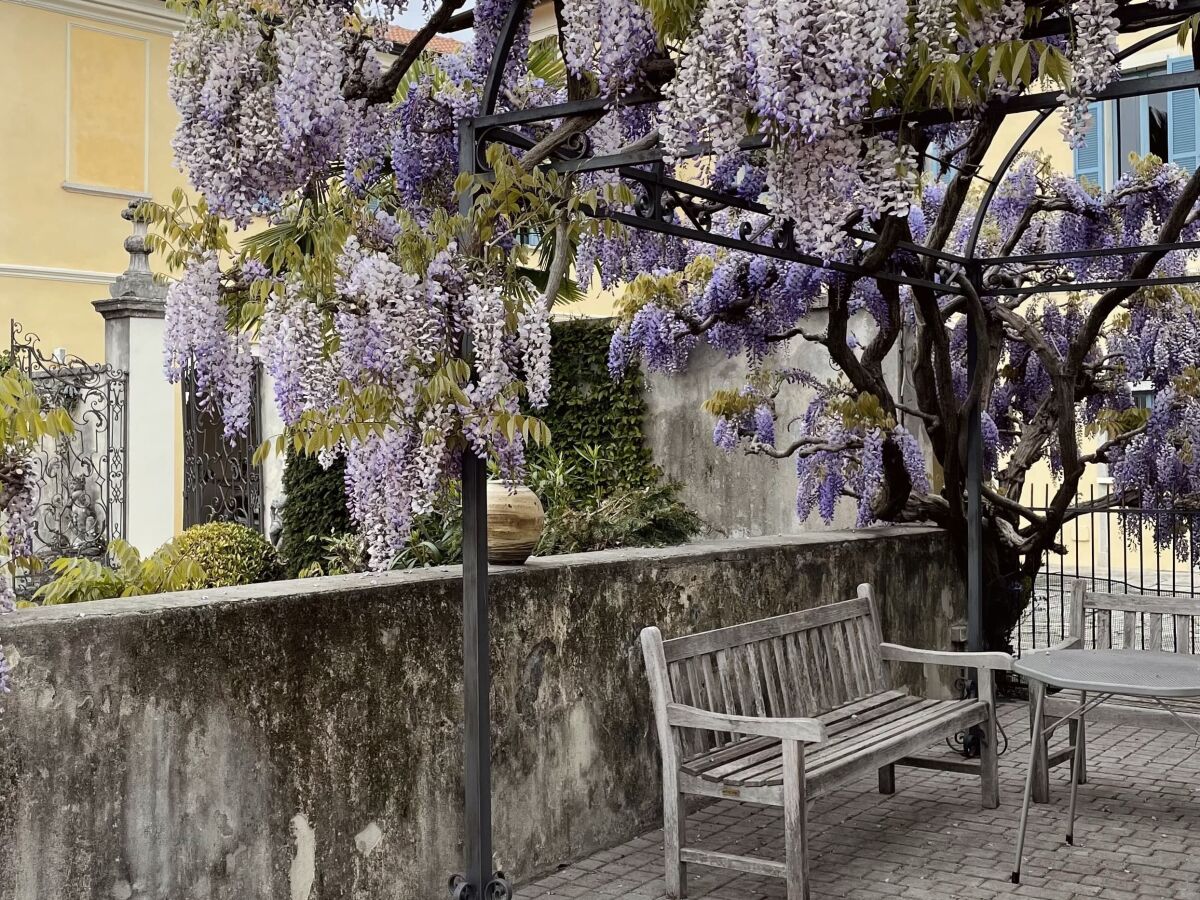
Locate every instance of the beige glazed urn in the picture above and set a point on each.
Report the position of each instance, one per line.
(514, 523)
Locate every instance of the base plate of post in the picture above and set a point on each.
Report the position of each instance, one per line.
(498, 888)
(1016, 877)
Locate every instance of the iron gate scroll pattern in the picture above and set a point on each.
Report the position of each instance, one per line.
(221, 483)
(79, 479)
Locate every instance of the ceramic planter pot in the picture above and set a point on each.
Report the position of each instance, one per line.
(514, 523)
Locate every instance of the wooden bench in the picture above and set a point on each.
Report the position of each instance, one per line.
(1118, 621)
(783, 710)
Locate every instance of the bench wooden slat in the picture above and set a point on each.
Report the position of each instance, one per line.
(1168, 604)
(855, 683)
(690, 742)
(820, 781)
(925, 717)
(757, 679)
(736, 635)
(1130, 626)
(775, 665)
(922, 713)
(811, 648)
(865, 734)
(1103, 625)
(1183, 634)
(744, 771)
(726, 679)
(748, 864)
(802, 671)
(1154, 634)
(836, 722)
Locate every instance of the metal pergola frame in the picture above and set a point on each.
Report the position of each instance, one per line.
(661, 198)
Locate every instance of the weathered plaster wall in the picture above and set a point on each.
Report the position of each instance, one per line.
(738, 494)
(302, 739)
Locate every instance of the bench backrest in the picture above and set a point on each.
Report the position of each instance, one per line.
(800, 664)
(1133, 621)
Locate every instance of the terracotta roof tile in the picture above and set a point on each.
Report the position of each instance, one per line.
(438, 45)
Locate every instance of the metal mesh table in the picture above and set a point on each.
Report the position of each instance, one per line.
(1152, 674)
(1125, 673)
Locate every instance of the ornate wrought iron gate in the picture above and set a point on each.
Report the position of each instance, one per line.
(79, 479)
(220, 481)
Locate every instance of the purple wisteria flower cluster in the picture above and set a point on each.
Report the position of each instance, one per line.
(362, 325)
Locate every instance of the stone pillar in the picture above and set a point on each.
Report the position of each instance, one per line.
(133, 343)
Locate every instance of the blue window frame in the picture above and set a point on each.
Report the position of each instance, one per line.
(1165, 124)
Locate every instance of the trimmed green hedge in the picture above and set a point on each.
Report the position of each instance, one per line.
(229, 553)
(315, 509)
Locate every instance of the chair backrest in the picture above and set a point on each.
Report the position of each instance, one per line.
(1133, 621)
(800, 664)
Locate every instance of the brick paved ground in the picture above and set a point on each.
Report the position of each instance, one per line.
(1137, 836)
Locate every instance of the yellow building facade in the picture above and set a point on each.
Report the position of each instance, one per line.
(87, 128)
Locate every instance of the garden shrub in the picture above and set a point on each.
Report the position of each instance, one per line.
(78, 579)
(313, 512)
(229, 553)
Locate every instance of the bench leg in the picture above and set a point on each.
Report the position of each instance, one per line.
(989, 758)
(1041, 756)
(795, 820)
(674, 835)
(887, 779)
(989, 764)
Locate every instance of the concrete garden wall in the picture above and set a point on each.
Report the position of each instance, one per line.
(302, 739)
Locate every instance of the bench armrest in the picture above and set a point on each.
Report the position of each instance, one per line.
(810, 731)
(1000, 662)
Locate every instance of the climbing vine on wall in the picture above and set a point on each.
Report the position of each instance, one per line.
(589, 408)
(315, 510)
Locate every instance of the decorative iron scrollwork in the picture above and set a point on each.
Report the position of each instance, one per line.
(576, 146)
(78, 479)
(784, 237)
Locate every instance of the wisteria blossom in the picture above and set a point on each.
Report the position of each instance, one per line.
(401, 333)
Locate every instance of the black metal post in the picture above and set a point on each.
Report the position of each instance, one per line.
(477, 843)
(974, 491)
(478, 882)
(974, 737)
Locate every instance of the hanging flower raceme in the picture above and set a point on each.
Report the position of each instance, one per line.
(197, 336)
(259, 118)
(1093, 58)
(614, 38)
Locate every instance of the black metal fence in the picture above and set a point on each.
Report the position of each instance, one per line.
(1117, 550)
(78, 479)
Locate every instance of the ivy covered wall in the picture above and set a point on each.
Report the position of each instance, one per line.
(587, 407)
(315, 509)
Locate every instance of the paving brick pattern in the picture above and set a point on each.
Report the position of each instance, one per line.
(1137, 835)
